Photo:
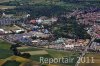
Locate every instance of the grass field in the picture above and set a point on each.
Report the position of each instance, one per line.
(36, 53)
(22, 49)
(96, 59)
(17, 61)
(5, 52)
(4, 49)
(10, 63)
(49, 53)
(39, 52)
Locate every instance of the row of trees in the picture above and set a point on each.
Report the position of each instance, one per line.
(38, 10)
(17, 52)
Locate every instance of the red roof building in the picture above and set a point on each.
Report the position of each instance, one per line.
(33, 21)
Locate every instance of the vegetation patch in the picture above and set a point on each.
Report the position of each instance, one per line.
(11, 63)
(39, 52)
(4, 49)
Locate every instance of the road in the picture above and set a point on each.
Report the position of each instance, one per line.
(85, 50)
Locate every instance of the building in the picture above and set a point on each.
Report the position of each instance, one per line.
(2, 32)
(9, 21)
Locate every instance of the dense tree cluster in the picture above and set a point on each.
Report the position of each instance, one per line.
(38, 10)
(69, 28)
(18, 53)
(97, 40)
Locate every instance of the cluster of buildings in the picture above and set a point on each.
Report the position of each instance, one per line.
(44, 20)
(14, 29)
(29, 38)
(63, 43)
(37, 33)
(95, 46)
(90, 18)
(8, 19)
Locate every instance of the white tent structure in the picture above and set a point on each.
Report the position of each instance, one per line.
(1, 30)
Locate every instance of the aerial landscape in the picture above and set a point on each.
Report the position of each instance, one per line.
(49, 32)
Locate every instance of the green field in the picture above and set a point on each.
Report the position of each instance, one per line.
(10, 63)
(51, 54)
(4, 49)
(6, 52)
(22, 49)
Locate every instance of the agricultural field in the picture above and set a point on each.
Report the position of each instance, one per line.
(17, 61)
(96, 59)
(7, 7)
(4, 49)
(36, 53)
(39, 52)
(9, 63)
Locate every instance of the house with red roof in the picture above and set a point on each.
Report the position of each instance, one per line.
(33, 21)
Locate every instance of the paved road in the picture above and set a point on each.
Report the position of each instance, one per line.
(85, 50)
